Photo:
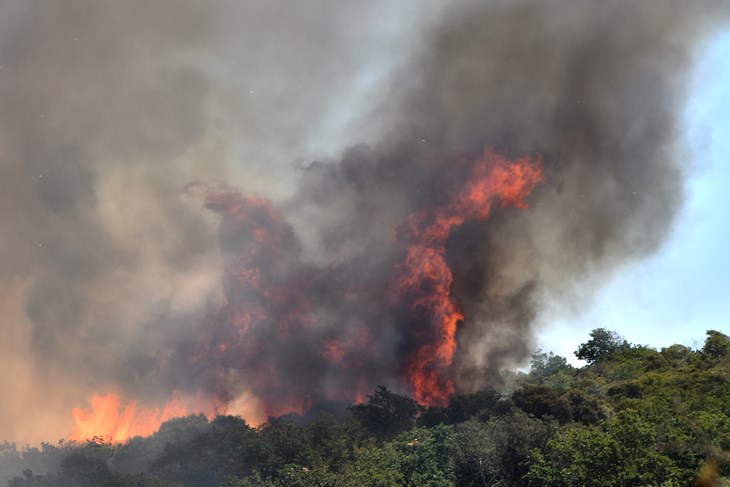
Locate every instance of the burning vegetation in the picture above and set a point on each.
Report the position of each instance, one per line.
(271, 303)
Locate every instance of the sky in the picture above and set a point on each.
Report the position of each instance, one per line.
(683, 290)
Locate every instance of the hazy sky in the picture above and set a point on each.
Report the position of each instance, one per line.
(684, 289)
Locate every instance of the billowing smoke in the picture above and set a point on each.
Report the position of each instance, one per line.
(129, 261)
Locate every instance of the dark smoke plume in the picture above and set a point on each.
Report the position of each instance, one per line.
(596, 88)
(113, 276)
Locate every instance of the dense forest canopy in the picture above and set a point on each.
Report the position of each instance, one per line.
(632, 416)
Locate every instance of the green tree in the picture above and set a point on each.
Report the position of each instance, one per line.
(603, 345)
(498, 452)
(544, 365)
(375, 467)
(334, 441)
(387, 414)
(717, 345)
(421, 457)
(541, 401)
(81, 471)
(427, 456)
(621, 452)
(288, 443)
(293, 475)
(678, 355)
(482, 404)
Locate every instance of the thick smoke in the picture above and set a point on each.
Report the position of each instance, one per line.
(116, 272)
(595, 88)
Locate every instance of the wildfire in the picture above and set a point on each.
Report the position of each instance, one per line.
(112, 420)
(264, 352)
(426, 279)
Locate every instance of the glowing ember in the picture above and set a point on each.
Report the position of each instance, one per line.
(425, 282)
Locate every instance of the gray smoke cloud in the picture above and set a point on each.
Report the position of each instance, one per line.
(113, 276)
(596, 88)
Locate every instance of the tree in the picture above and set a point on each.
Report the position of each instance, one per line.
(541, 401)
(603, 345)
(677, 355)
(334, 441)
(376, 467)
(294, 475)
(289, 443)
(544, 365)
(498, 452)
(82, 471)
(421, 457)
(620, 452)
(481, 403)
(386, 414)
(717, 345)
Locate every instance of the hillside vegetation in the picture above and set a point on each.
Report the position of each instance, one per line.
(633, 416)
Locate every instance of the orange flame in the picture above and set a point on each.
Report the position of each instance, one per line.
(426, 278)
(265, 290)
(111, 420)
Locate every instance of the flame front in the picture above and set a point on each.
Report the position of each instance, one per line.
(111, 419)
(276, 344)
(426, 279)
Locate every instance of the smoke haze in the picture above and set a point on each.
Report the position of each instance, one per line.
(126, 127)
